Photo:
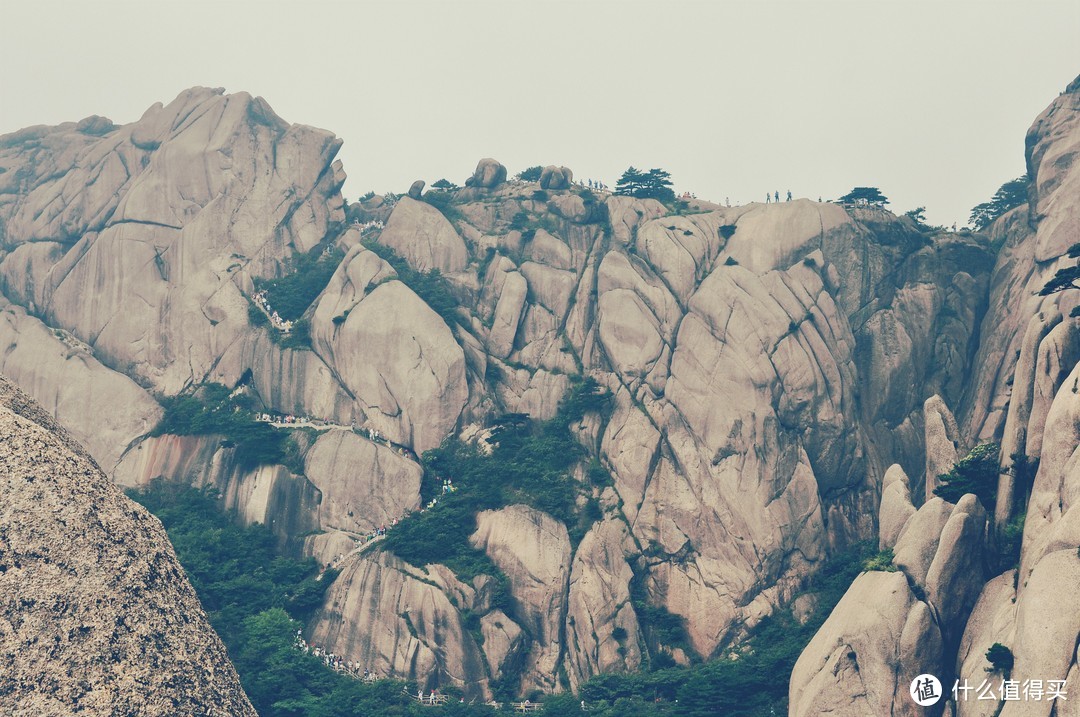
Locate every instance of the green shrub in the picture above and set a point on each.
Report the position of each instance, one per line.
(883, 561)
(210, 410)
(293, 293)
(530, 464)
(1000, 658)
(1012, 538)
(977, 473)
(430, 285)
(532, 174)
(519, 222)
(444, 202)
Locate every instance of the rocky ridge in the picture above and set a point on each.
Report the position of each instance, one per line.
(1023, 393)
(778, 372)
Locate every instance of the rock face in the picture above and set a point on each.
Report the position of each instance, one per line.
(533, 550)
(396, 619)
(1023, 393)
(893, 626)
(98, 616)
(416, 188)
(896, 508)
(848, 668)
(783, 377)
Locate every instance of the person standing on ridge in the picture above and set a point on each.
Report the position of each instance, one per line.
(776, 196)
(789, 195)
(768, 198)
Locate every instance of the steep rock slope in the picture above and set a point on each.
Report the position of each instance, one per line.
(96, 616)
(1023, 393)
(767, 363)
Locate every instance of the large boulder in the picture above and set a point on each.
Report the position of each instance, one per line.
(603, 634)
(98, 616)
(896, 507)
(363, 485)
(942, 441)
(552, 177)
(424, 237)
(861, 661)
(394, 619)
(416, 189)
(489, 174)
(364, 325)
(533, 550)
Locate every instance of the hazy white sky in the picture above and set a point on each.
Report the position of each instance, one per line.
(927, 100)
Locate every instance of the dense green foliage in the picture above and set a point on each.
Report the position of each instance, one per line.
(255, 600)
(977, 473)
(530, 464)
(211, 409)
(443, 200)
(532, 174)
(445, 184)
(1010, 543)
(430, 286)
(1000, 658)
(654, 184)
(883, 561)
(870, 195)
(293, 293)
(1008, 196)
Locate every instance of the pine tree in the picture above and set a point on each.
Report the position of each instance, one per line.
(630, 183)
(870, 195)
(1008, 196)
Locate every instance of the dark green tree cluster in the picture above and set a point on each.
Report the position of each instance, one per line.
(256, 601)
(431, 286)
(292, 294)
(977, 473)
(210, 409)
(1008, 196)
(654, 184)
(868, 195)
(530, 464)
(445, 185)
(532, 174)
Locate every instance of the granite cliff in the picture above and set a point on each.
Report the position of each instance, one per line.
(778, 372)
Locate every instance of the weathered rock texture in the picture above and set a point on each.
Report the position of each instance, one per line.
(1022, 391)
(780, 375)
(96, 615)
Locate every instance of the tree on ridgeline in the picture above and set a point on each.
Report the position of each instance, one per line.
(532, 174)
(865, 195)
(654, 184)
(1008, 196)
